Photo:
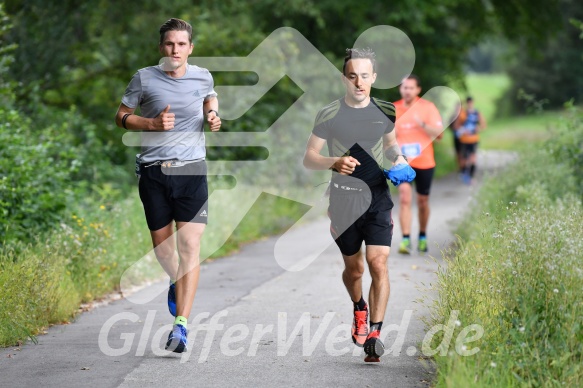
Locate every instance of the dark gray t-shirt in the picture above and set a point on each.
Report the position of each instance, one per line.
(152, 90)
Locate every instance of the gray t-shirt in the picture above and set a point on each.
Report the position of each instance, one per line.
(152, 90)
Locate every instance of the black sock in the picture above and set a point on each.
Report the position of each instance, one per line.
(406, 236)
(360, 305)
(422, 235)
(376, 326)
(472, 170)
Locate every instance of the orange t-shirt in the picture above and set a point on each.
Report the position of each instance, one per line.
(415, 143)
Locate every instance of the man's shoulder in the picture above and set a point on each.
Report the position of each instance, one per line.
(425, 103)
(149, 70)
(386, 107)
(328, 112)
(194, 69)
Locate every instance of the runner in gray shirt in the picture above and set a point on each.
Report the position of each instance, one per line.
(175, 100)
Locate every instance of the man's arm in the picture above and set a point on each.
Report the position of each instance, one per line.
(435, 131)
(392, 150)
(211, 109)
(315, 161)
(433, 128)
(164, 121)
(482, 123)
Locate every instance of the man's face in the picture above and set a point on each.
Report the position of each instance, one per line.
(176, 48)
(409, 90)
(358, 79)
(470, 104)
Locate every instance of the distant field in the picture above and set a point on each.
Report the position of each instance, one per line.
(508, 132)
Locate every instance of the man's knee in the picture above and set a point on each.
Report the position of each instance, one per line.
(164, 251)
(423, 201)
(354, 266)
(377, 263)
(405, 197)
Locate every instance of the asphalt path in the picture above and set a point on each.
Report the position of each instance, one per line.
(254, 323)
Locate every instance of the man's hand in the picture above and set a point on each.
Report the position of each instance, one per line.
(400, 173)
(214, 121)
(164, 121)
(346, 165)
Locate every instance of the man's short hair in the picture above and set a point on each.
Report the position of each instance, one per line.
(414, 77)
(358, 53)
(469, 99)
(175, 25)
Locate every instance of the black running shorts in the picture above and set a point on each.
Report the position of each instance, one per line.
(357, 216)
(423, 180)
(468, 149)
(174, 193)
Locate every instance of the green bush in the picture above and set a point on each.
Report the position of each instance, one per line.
(45, 169)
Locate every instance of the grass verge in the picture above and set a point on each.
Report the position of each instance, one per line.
(518, 271)
(44, 282)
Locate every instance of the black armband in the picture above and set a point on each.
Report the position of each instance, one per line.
(123, 120)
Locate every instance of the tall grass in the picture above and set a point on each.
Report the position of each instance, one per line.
(518, 272)
(44, 282)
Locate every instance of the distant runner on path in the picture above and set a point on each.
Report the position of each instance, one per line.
(418, 124)
(468, 126)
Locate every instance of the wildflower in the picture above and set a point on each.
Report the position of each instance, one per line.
(493, 364)
(521, 329)
(458, 323)
(102, 207)
(556, 291)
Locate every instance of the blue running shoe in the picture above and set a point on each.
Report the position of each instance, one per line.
(172, 299)
(177, 339)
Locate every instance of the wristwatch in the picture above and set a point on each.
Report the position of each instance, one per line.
(397, 157)
(212, 110)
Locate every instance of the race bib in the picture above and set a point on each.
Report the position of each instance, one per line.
(411, 150)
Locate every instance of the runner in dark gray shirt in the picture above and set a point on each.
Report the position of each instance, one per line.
(174, 99)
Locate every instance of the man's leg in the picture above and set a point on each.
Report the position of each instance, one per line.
(352, 275)
(405, 216)
(423, 205)
(189, 236)
(352, 278)
(423, 182)
(466, 155)
(165, 249)
(377, 259)
(472, 161)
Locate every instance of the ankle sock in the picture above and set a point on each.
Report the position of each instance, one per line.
(422, 235)
(406, 236)
(180, 320)
(360, 305)
(376, 326)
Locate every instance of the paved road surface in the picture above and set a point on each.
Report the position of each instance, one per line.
(257, 307)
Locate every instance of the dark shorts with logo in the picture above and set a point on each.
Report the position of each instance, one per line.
(360, 216)
(174, 193)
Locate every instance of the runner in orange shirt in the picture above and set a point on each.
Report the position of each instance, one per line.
(418, 124)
